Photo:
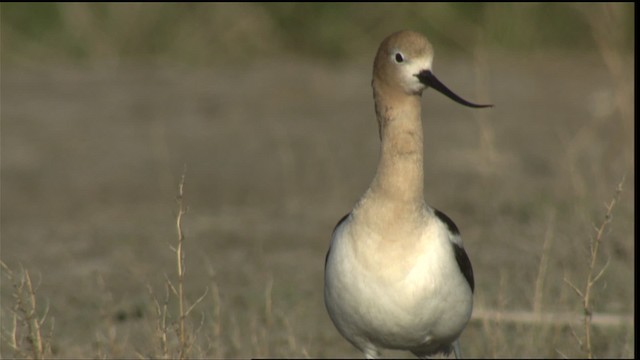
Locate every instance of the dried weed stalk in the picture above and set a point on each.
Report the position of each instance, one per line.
(25, 336)
(185, 337)
(182, 334)
(592, 276)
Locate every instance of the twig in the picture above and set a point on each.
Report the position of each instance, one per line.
(206, 291)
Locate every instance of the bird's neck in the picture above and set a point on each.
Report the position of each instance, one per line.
(398, 183)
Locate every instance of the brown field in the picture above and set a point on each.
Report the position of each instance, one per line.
(275, 153)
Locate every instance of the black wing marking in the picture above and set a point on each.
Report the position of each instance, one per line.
(461, 256)
(334, 230)
(464, 264)
(447, 220)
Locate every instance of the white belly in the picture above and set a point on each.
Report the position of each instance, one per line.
(412, 298)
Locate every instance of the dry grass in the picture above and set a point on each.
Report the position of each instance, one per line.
(25, 335)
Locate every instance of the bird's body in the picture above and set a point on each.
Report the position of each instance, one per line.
(396, 274)
(401, 305)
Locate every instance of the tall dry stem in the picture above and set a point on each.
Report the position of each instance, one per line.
(185, 338)
(182, 334)
(592, 276)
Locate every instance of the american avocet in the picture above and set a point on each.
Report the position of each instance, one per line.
(396, 274)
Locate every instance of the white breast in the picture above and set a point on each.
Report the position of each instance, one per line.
(394, 298)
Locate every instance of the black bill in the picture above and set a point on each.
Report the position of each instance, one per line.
(427, 78)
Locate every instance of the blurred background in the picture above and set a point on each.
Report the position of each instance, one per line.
(205, 34)
(269, 108)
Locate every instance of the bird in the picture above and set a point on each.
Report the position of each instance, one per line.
(397, 275)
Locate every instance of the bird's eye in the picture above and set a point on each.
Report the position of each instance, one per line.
(399, 58)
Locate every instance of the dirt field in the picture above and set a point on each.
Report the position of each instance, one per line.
(275, 154)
